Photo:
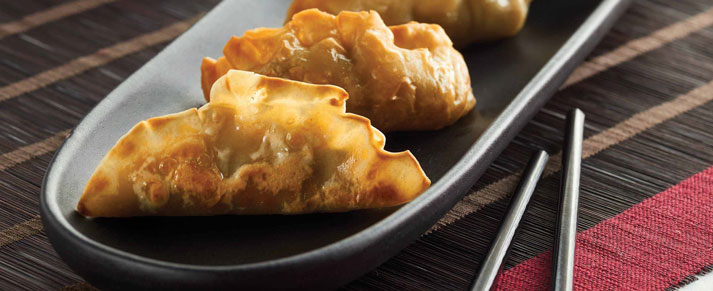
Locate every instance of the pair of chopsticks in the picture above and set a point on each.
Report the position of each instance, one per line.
(563, 253)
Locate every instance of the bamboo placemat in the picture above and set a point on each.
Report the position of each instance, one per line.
(646, 90)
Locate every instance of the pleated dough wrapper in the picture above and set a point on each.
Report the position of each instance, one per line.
(261, 146)
(406, 77)
(465, 21)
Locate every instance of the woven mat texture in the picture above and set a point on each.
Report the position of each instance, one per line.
(646, 89)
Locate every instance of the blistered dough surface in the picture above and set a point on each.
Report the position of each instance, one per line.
(406, 77)
(261, 146)
(465, 21)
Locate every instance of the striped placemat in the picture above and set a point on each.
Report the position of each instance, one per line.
(647, 186)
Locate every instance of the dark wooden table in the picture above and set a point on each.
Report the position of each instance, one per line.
(646, 90)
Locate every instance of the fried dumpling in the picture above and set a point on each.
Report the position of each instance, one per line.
(465, 21)
(261, 146)
(407, 77)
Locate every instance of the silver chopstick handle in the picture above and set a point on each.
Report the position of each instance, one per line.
(493, 262)
(563, 253)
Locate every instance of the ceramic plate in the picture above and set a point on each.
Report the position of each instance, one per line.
(512, 79)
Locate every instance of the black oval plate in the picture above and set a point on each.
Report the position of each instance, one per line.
(512, 80)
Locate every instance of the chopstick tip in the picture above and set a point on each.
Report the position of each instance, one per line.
(576, 112)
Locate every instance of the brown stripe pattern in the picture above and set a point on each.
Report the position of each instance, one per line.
(70, 69)
(640, 46)
(23, 154)
(99, 58)
(65, 71)
(591, 146)
(58, 12)
(20, 231)
(26, 153)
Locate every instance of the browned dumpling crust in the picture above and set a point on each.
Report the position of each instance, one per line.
(405, 77)
(465, 21)
(261, 146)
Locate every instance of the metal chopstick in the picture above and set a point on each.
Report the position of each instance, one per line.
(563, 254)
(493, 262)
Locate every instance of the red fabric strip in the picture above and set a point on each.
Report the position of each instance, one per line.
(652, 245)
